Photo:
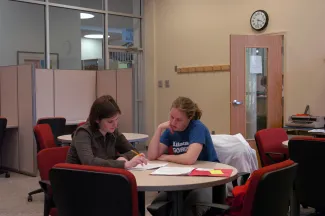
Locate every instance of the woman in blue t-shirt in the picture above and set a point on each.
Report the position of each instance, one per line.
(189, 140)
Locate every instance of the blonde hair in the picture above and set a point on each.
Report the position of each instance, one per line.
(187, 106)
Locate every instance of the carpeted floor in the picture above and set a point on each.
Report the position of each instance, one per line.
(13, 197)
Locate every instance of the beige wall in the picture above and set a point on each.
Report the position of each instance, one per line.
(191, 32)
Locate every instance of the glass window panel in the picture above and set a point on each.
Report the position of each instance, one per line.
(23, 31)
(93, 4)
(124, 31)
(121, 59)
(256, 90)
(125, 6)
(79, 42)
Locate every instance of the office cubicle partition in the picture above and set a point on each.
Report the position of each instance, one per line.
(27, 94)
(16, 86)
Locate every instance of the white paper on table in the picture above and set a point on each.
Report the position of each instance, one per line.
(203, 169)
(149, 166)
(173, 171)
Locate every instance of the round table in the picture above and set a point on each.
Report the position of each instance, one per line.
(131, 137)
(285, 143)
(175, 185)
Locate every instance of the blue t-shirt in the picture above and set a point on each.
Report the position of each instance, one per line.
(196, 132)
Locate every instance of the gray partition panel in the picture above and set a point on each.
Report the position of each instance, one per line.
(27, 148)
(125, 99)
(8, 92)
(44, 93)
(74, 93)
(106, 83)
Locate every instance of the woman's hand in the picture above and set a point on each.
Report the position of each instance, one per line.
(165, 125)
(140, 159)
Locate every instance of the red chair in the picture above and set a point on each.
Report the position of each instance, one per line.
(3, 127)
(46, 159)
(269, 145)
(44, 139)
(44, 136)
(81, 123)
(57, 125)
(93, 190)
(267, 192)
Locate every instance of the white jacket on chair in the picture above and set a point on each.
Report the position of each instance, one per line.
(235, 151)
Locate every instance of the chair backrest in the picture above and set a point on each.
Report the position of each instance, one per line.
(309, 185)
(269, 190)
(81, 123)
(270, 140)
(3, 126)
(49, 157)
(57, 125)
(93, 190)
(44, 136)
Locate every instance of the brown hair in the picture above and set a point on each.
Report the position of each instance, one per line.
(103, 107)
(187, 106)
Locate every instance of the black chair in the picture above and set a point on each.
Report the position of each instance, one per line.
(266, 193)
(93, 190)
(3, 128)
(309, 187)
(57, 125)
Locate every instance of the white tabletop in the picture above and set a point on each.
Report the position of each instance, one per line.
(147, 182)
(74, 122)
(285, 143)
(131, 137)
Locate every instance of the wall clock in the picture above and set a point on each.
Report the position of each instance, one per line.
(259, 20)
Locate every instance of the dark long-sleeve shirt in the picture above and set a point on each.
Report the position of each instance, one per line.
(93, 148)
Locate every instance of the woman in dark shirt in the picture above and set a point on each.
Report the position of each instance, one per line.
(98, 142)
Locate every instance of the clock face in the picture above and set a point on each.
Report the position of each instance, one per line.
(259, 20)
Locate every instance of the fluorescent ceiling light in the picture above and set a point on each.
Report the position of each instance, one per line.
(95, 36)
(86, 16)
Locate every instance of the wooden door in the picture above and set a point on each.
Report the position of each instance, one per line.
(256, 84)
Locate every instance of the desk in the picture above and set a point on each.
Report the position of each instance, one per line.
(131, 137)
(75, 122)
(303, 131)
(175, 185)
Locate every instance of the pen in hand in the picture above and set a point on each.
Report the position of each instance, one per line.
(141, 155)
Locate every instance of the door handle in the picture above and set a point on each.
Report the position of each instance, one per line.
(236, 102)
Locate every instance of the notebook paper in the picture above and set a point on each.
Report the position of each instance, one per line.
(173, 171)
(149, 166)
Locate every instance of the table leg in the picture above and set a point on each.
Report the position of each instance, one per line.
(177, 202)
(142, 203)
(219, 194)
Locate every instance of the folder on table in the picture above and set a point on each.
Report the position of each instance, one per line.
(211, 172)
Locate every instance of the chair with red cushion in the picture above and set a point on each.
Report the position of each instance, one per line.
(44, 136)
(267, 192)
(81, 123)
(269, 145)
(93, 190)
(57, 125)
(309, 185)
(44, 139)
(46, 159)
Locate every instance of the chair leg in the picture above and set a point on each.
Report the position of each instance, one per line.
(7, 174)
(30, 198)
(48, 204)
